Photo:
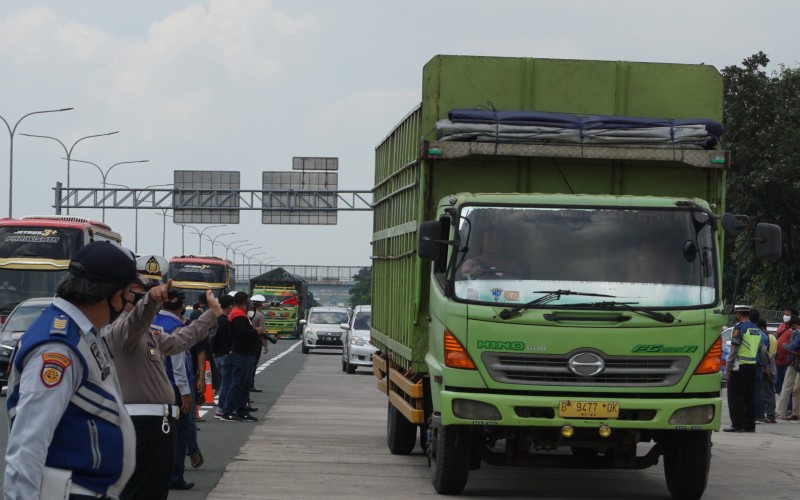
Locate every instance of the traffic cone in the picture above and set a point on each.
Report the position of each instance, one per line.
(209, 394)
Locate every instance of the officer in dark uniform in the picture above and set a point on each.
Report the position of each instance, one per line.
(70, 434)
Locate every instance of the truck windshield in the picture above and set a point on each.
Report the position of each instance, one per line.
(648, 257)
(203, 273)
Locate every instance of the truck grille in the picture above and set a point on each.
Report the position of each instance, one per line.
(619, 371)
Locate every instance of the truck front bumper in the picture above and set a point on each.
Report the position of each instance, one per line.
(684, 413)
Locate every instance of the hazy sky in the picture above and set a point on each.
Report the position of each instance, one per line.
(248, 84)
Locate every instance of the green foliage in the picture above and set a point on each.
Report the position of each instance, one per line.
(762, 130)
(361, 292)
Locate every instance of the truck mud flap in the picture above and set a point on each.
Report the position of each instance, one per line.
(404, 394)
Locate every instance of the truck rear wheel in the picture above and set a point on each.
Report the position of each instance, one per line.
(450, 459)
(401, 435)
(686, 463)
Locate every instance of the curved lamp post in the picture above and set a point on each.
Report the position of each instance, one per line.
(104, 174)
(229, 245)
(250, 259)
(68, 152)
(237, 248)
(200, 235)
(214, 240)
(11, 132)
(136, 214)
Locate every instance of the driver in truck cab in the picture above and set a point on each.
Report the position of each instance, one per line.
(493, 259)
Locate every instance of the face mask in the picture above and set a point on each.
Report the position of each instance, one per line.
(251, 313)
(786, 319)
(114, 314)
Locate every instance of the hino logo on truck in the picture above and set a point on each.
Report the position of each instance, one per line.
(660, 348)
(499, 345)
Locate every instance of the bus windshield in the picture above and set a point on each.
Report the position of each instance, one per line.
(17, 285)
(642, 256)
(203, 273)
(55, 243)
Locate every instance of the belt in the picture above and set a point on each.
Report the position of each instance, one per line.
(77, 489)
(153, 410)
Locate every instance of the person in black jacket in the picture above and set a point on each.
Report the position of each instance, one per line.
(245, 344)
(220, 348)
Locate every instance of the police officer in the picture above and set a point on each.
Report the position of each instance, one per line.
(69, 432)
(138, 352)
(741, 371)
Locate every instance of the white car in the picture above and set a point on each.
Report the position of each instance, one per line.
(322, 328)
(356, 349)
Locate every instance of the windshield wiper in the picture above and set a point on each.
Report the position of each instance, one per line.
(626, 306)
(544, 299)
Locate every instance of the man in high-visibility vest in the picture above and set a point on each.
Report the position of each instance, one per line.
(741, 371)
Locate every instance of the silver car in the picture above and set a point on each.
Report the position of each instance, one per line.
(356, 349)
(321, 328)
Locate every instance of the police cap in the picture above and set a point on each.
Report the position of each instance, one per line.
(104, 262)
(742, 308)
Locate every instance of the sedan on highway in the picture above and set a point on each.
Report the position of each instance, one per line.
(356, 349)
(17, 322)
(322, 328)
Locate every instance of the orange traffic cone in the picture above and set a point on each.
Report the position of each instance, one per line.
(209, 394)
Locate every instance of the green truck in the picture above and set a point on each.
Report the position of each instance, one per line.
(286, 297)
(547, 271)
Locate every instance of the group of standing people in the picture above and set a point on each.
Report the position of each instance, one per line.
(237, 347)
(93, 409)
(762, 364)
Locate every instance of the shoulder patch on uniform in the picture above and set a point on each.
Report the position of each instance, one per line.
(156, 330)
(59, 326)
(53, 366)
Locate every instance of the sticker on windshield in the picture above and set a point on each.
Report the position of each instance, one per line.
(496, 293)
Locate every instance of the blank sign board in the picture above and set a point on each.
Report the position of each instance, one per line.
(314, 163)
(215, 189)
(300, 197)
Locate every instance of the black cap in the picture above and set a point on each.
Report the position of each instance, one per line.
(104, 262)
(225, 301)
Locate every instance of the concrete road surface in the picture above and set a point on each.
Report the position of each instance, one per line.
(325, 438)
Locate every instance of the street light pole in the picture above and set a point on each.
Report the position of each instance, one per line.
(200, 236)
(237, 248)
(250, 262)
(214, 240)
(229, 245)
(105, 173)
(136, 213)
(11, 132)
(68, 152)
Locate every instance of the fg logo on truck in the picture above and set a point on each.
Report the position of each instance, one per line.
(664, 349)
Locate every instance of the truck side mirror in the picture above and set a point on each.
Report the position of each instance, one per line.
(732, 224)
(430, 240)
(768, 241)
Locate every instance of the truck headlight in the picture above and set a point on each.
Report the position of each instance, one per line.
(475, 410)
(695, 415)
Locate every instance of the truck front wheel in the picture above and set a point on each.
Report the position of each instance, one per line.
(687, 458)
(401, 435)
(450, 458)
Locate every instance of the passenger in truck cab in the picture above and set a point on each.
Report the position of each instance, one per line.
(492, 260)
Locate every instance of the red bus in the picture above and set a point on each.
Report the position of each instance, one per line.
(35, 251)
(194, 274)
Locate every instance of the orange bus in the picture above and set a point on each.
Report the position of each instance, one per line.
(35, 251)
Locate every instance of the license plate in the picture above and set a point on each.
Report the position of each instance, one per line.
(588, 409)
